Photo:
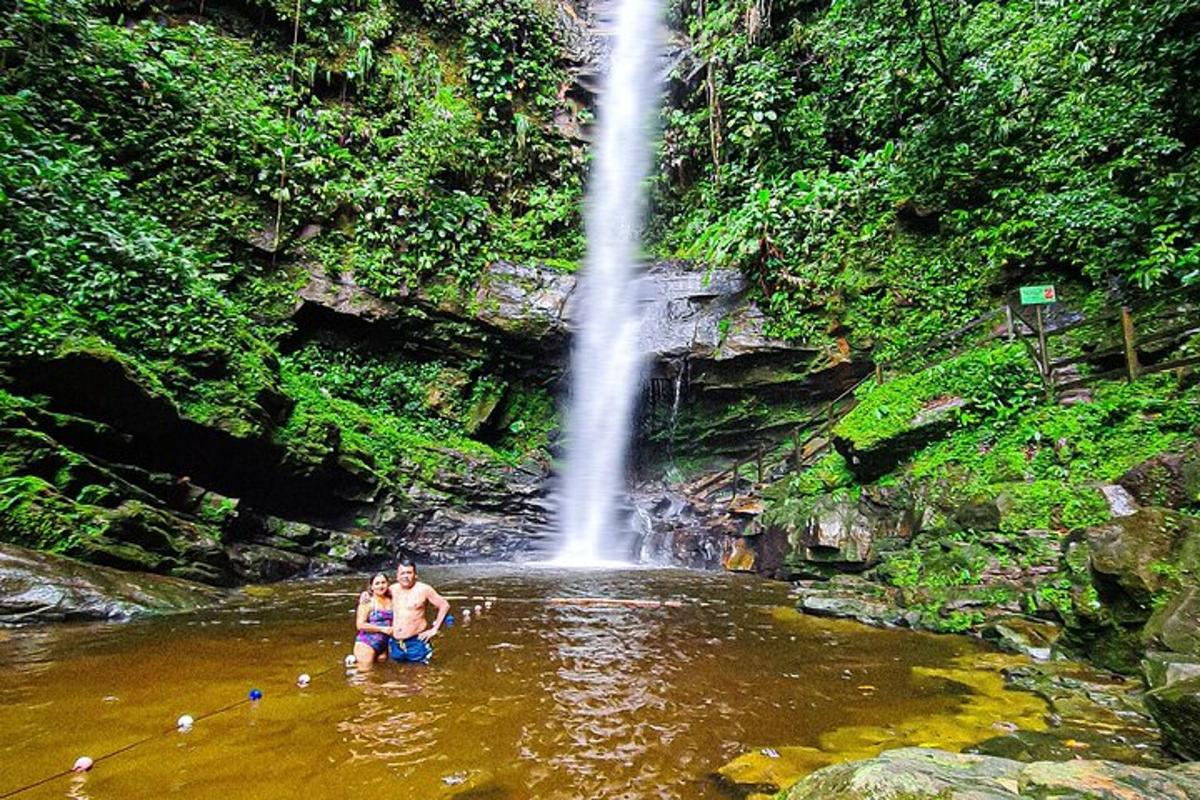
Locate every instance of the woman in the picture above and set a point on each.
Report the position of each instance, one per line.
(374, 623)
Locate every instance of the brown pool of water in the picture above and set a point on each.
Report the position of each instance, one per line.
(531, 699)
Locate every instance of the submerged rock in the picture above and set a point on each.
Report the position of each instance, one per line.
(928, 774)
(42, 587)
(1098, 714)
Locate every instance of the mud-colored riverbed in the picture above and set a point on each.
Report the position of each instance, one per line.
(532, 699)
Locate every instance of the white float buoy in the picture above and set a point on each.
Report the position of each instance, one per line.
(488, 605)
(350, 660)
(185, 722)
(303, 680)
(82, 764)
(478, 609)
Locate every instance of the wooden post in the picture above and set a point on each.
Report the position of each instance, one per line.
(796, 446)
(830, 421)
(879, 374)
(1009, 332)
(1043, 355)
(760, 464)
(736, 466)
(1131, 360)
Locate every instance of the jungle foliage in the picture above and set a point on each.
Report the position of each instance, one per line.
(170, 172)
(884, 170)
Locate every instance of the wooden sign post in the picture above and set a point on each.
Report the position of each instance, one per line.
(1038, 296)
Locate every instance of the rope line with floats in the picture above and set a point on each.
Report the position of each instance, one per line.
(185, 722)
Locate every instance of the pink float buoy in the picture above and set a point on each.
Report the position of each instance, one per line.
(83, 764)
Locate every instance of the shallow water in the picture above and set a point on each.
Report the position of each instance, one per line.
(532, 699)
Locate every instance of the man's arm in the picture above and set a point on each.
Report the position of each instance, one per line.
(443, 608)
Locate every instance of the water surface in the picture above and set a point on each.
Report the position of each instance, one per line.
(533, 699)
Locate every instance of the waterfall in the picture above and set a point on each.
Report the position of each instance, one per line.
(607, 360)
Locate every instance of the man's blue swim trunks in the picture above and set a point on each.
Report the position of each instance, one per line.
(411, 649)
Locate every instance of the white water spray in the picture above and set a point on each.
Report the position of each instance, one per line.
(607, 359)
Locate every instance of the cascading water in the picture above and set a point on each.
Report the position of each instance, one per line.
(607, 359)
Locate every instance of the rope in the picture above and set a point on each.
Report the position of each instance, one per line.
(126, 748)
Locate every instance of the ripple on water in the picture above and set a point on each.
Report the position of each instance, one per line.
(531, 699)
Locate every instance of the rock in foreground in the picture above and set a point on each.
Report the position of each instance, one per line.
(41, 587)
(917, 773)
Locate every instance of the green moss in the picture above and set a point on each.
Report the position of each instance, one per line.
(1049, 504)
(393, 448)
(33, 514)
(1048, 461)
(994, 384)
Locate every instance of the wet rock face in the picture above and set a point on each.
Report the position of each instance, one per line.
(840, 533)
(704, 317)
(42, 587)
(677, 531)
(927, 774)
(1176, 707)
(447, 535)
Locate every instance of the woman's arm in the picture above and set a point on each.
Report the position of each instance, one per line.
(364, 610)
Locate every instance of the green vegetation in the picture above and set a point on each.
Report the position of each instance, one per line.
(169, 176)
(886, 169)
(996, 384)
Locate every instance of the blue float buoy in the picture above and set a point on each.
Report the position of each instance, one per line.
(449, 620)
(256, 694)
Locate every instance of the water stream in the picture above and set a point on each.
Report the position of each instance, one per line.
(532, 699)
(607, 359)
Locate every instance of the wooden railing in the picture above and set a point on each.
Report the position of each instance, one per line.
(1122, 323)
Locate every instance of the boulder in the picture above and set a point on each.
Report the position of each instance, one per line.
(1176, 707)
(840, 532)
(1137, 555)
(871, 458)
(1160, 669)
(1171, 480)
(1018, 634)
(1175, 625)
(914, 773)
(43, 587)
(850, 597)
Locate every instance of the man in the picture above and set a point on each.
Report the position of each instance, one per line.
(411, 631)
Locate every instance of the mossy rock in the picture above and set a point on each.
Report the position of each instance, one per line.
(37, 587)
(1176, 708)
(1175, 625)
(1160, 669)
(928, 774)
(1137, 556)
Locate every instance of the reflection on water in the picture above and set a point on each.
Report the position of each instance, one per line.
(531, 699)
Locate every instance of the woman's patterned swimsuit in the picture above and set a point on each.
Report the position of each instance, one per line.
(376, 641)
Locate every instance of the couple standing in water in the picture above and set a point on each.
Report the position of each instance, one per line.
(391, 618)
